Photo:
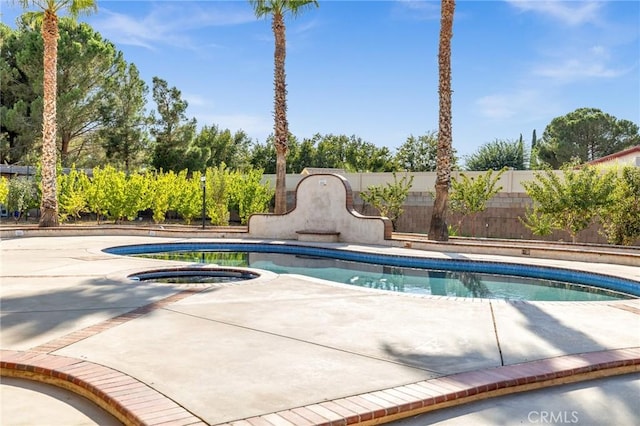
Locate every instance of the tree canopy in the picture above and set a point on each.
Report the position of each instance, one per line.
(585, 134)
(568, 202)
(418, 154)
(89, 82)
(498, 154)
(172, 130)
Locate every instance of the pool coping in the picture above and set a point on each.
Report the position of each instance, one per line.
(527, 249)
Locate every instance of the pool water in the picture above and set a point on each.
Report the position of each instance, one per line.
(401, 279)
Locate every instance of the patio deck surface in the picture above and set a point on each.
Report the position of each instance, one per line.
(286, 349)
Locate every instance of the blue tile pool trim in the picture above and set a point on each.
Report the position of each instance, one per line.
(621, 285)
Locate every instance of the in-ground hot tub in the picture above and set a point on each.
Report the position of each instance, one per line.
(194, 275)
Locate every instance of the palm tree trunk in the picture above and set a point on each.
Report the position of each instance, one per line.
(281, 127)
(49, 202)
(438, 229)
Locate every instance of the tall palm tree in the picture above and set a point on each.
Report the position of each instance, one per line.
(278, 8)
(49, 15)
(438, 229)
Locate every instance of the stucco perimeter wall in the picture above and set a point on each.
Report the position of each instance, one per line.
(323, 204)
(510, 181)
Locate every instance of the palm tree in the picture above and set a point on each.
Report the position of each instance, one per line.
(49, 29)
(438, 229)
(278, 8)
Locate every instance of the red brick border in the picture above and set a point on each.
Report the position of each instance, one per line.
(428, 395)
(129, 400)
(126, 398)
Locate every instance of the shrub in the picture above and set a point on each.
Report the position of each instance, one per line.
(217, 195)
(388, 199)
(621, 217)
(569, 203)
(248, 195)
(72, 190)
(187, 197)
(22, 195)
(469, 196)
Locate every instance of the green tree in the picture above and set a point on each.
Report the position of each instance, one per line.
(89, 69)
(585, 134)
(85, 62)
(172, 131)
(389, 199)
(277, 9)
(363, 157)
(621, 217)
(263, 156)
(84, 82)
(49, 30)
(419, 154)
(350, 153)
(123, 134)
(498, 154)
(221, 146)
(534, 163)
(469, 195)
(331, 151)
(301, 155)
(438, 229)
(570, 202)
(21, 100)
(381, 160)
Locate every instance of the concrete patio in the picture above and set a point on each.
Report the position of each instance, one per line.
(285, 349)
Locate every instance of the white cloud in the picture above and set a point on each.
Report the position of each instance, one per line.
(576, 65)
(304, 27)
(417, 9)
(576, 69)
(509, 105)
(599, 51)
(196, 100)
(168, 23)
(568, 12)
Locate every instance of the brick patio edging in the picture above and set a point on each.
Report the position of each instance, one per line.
(405, 401)
(135, 403)
(129, 400)
(124, 397)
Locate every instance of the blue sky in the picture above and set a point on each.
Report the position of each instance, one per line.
(369, 68)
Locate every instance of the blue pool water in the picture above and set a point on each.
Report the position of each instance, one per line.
(443, 277)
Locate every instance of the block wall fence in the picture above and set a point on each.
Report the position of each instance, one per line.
(499, 220)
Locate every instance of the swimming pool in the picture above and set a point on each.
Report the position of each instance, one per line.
(443, 277)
